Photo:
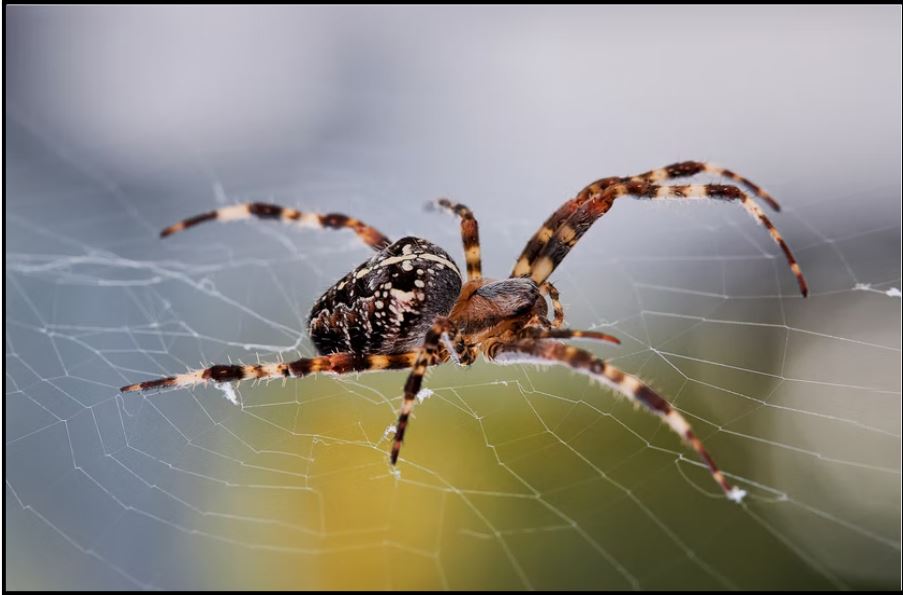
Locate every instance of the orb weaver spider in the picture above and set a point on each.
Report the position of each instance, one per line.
(408, 306)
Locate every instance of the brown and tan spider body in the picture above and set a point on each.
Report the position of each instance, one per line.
(490, 309)
(408, 307)
(387, 305)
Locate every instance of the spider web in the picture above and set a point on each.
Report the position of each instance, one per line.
(512, 476)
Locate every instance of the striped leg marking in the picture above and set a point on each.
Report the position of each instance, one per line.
(367, 234)
(670, 172)
(571, 231)
(567, 333)
(337, 363)
(430, 353)
(691, 168)
(470, 234)
(552, 352)
(551, 225)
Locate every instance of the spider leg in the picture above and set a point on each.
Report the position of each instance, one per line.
(553, 352)
(470, 234)
(430, 353)
(337, 363)
(548, 228)
(567, 235)
(550, 290)
(669, 172)
(691, 168)
(535, 332)
(369, 235)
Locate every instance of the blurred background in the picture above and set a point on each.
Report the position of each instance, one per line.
(123, 120)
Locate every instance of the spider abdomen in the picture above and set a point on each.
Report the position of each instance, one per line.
(387, 304)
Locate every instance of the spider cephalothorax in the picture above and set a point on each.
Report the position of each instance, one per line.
(408, 306)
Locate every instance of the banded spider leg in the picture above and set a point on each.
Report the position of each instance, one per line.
(553, 352)
(470, 235)
(432, 351)
(369, 235)
(574, 216)
(336, 363)
(569, 233)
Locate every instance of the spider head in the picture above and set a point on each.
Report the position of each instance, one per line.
(488, 306)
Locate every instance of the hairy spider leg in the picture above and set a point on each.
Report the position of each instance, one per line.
(553, 352)
(534, 332)
(691, 168)
(428, 354)
(573, 229)
(547, 229)
(366, 233)
(470, 234)
(669, 172)
(551, 291)
(337, 363)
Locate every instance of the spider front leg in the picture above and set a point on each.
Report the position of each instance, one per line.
(545, 232)
(535, 332)
(470, 235)
(670, 172)
(430, 353)
(369, 235)
(570, 232)
(553, 352)
(691, 168)
(337, 363)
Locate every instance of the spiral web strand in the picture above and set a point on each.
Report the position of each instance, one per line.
(513, 476)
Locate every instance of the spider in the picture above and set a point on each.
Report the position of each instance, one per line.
(408, 306)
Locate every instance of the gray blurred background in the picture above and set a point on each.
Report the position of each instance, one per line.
(123, 120)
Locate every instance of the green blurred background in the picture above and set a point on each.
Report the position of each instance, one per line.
(124, 120)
